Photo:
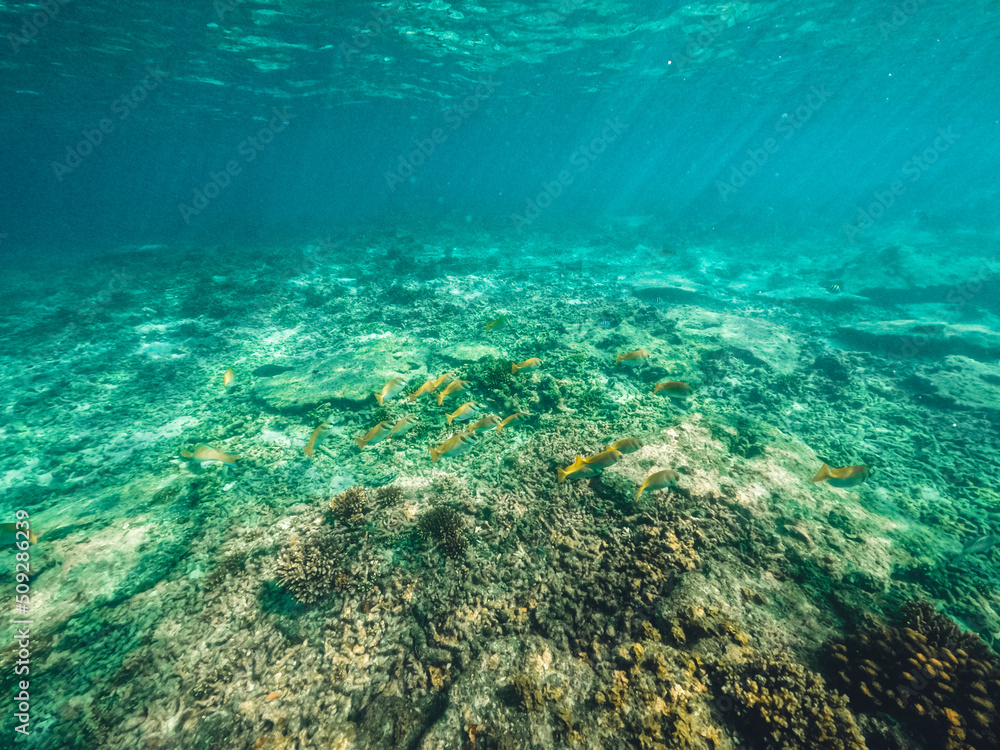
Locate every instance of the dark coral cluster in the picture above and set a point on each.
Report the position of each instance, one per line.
(388, 495)
(491, 372)
(309, 568)
(350, 506)
(927, 673)
(788, 706)
(444, 525)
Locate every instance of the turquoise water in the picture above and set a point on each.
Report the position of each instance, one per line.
(455, 375)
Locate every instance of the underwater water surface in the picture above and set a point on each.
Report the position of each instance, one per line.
(505, 375)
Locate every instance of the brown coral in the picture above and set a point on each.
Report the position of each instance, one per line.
(349, 506)
(926, 673)
(308, 568)
(788, 706)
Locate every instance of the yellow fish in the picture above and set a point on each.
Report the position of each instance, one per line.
(463, 413)
(453, 446)
(376, 434)
(674, 389)
(453, 387)
(658, 480)
(440, 379)
(848, 476)
(403, 425)
(390, 389)
(314, 439)
(578, 470)
(208, 455)
(633, 359)
(228, 377)
(511, 418)
(627, 445)
(490, 420)
(607, 457)
(8, 534)
(526, 365)
(427, 387)
(498, 323)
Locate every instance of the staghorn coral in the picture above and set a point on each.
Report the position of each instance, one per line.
(926, 673)
(787, 705)
(349, 506)
(309, 568)
(388, 495)
(444, 525)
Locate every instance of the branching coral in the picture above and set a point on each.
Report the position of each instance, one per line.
(308, 568)
(349, 506)
(927, 673)
(445, 525)
(388, 496)
(788, 706)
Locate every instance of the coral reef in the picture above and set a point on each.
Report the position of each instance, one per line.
(927, 673)
(444, 525)
(308, 568)
(787, 705)
(349, 506)
(388, 495)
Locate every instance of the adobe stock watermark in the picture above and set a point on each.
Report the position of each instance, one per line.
(957, 298)
(123, 106)
(960, 294)
(47, 11)
(913, 168)
(901, 13)
(454, 117)
(380, 20)
(786, 127)
(249, 149)
(698, 44)
(581, 160)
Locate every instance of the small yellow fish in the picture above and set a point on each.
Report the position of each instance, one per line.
(208, 455)
(848, 476)
(8, 534)
(607, 457)
(511, 418)
(403, 425)
(633, 359)
(228, 377)
(674, 389)
(627, 445)
(578, 470)
(376, 434)
(453, 387)
(498, 323)
(440, 379)
(427, 387)
(314, 439)
(390, 389)
(487, 422)
(526, 365)
(464, 413)
(658, 480)
(453, 446)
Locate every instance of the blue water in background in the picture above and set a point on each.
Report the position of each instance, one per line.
(366, 82)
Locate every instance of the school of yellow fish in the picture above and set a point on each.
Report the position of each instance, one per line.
(582, 468)
(477, 423)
